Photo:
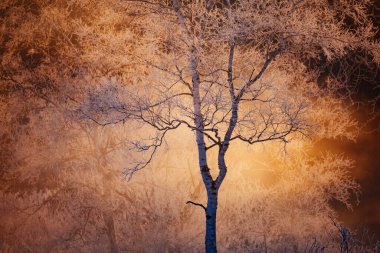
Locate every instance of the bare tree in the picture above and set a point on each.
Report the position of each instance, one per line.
(232, 71)
(227, 70)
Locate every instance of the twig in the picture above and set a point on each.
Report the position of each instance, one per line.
(196, 204)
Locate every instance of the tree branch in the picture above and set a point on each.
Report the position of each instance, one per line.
(196, 204)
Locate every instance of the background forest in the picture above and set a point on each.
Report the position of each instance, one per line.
(76, 174)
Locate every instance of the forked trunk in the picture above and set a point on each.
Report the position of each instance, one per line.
(212, 206)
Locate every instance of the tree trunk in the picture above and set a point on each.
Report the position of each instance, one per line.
(110, 224)
(212, 206)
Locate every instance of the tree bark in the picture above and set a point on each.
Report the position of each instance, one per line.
(211, 210)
